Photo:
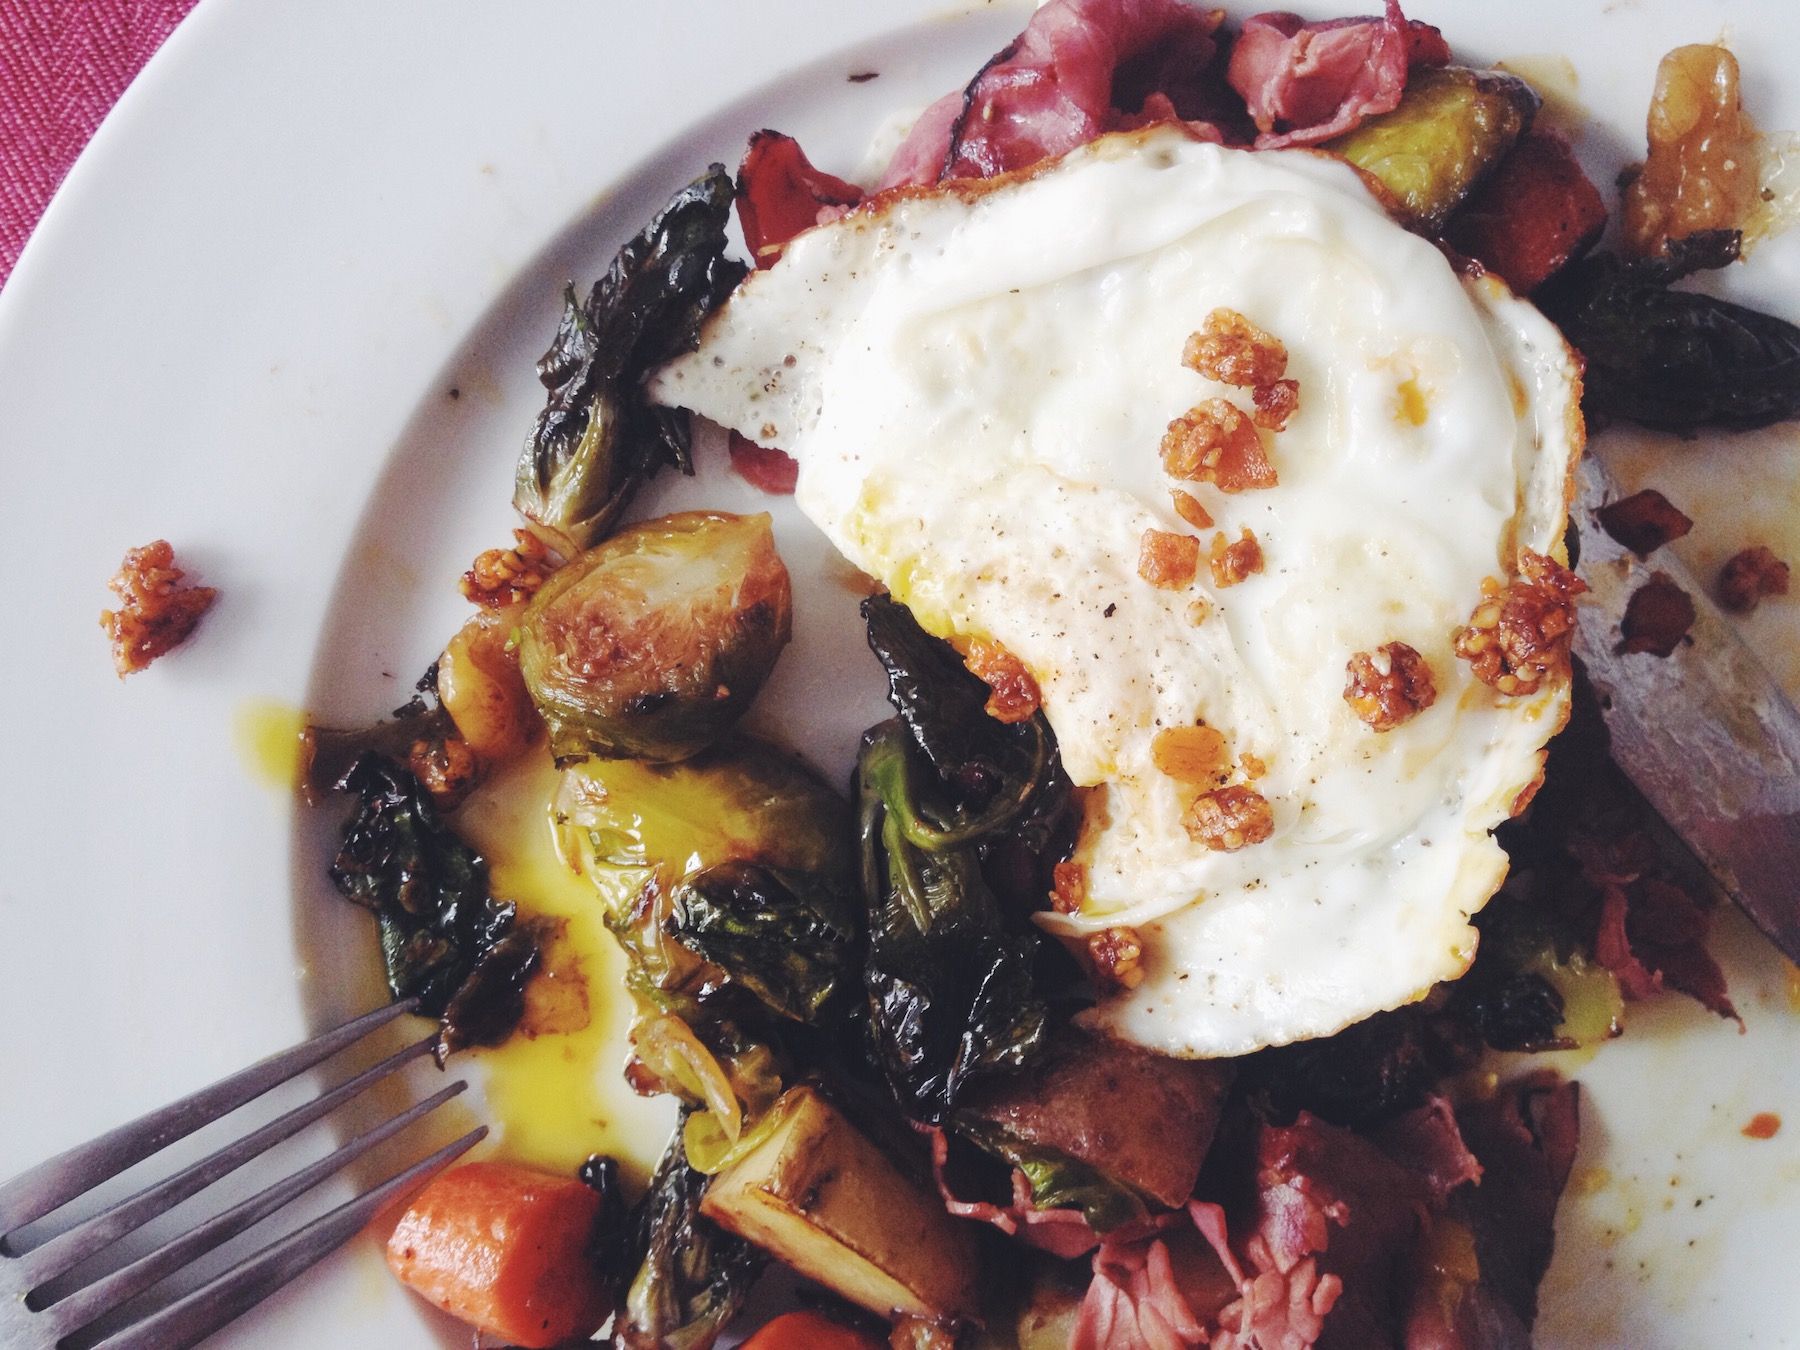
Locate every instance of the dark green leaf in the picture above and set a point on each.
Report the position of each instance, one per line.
(1672, 359)
(991, 776)
(787, 937)
(951, 994)
(429, 891)
(693, 1277)
(331, 751)
(598, 439)
(614, 1244)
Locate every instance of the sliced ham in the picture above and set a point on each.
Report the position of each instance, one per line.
(1061, 1232)
(773, 471)
(1052, 88)
(780, 193)
(1307, 82)
(1525, 1137)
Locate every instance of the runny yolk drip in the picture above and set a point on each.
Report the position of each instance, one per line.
(267, 735)
(556, 1088)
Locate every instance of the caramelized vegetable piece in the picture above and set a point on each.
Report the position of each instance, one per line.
(809, 1331)
(1536, 214)
(505, 1249)
(479, 685)
(1451, 129)
(692, 1279)
(1701, 173)
(1139, 1119)
(822, 1198)
(653, 644)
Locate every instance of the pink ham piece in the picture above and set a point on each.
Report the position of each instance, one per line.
(1307, 82)
(1063, 1233)
(780, 193)
(1321, 1251)
(1052, 88)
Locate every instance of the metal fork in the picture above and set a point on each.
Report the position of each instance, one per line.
(33, 1317)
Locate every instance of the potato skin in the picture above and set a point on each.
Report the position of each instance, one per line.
(1139, 1118)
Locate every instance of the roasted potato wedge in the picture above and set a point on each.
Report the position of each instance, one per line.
(1452, 127)
(1140, 1119)
(822, 1198)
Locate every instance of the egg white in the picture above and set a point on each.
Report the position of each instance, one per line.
(975, 380)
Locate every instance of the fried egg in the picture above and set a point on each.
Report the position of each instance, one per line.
(976, 379)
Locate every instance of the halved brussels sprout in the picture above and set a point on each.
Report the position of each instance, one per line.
(625, 823)
(727, 879)
(1452, 126)
(653, 644)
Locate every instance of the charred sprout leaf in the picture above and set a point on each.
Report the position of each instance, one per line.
(329, 752)
(1453, 126)
(1532, 987)
(614, 1243)
(1366, 1073)
(787, 937)
(1057, 1180)
(1675, 360)
(694, 1277)
(598, 439)
(491, 999)
(639, 831)
(429, 892)
(991, 776)
(653, 644)
(951, 994)
(1521, 1012)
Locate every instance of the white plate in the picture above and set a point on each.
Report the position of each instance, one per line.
(238, 328)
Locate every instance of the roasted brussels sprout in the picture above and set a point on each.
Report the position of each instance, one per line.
(598, 439)
(1453, 125)
(625, 824)
(728, 880)
(653, 644)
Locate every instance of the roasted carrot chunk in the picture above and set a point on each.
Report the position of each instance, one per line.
(1537, 213)
(810, 1331)
(505, 1249)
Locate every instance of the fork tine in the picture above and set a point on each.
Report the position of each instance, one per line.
(233, 1293)
(63, 1252)
(85, 1305)
(56, 1181)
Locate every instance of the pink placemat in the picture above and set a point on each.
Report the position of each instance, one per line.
(63, 64)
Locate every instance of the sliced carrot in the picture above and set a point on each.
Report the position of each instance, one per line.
(505, 1249)
(810, 1331)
